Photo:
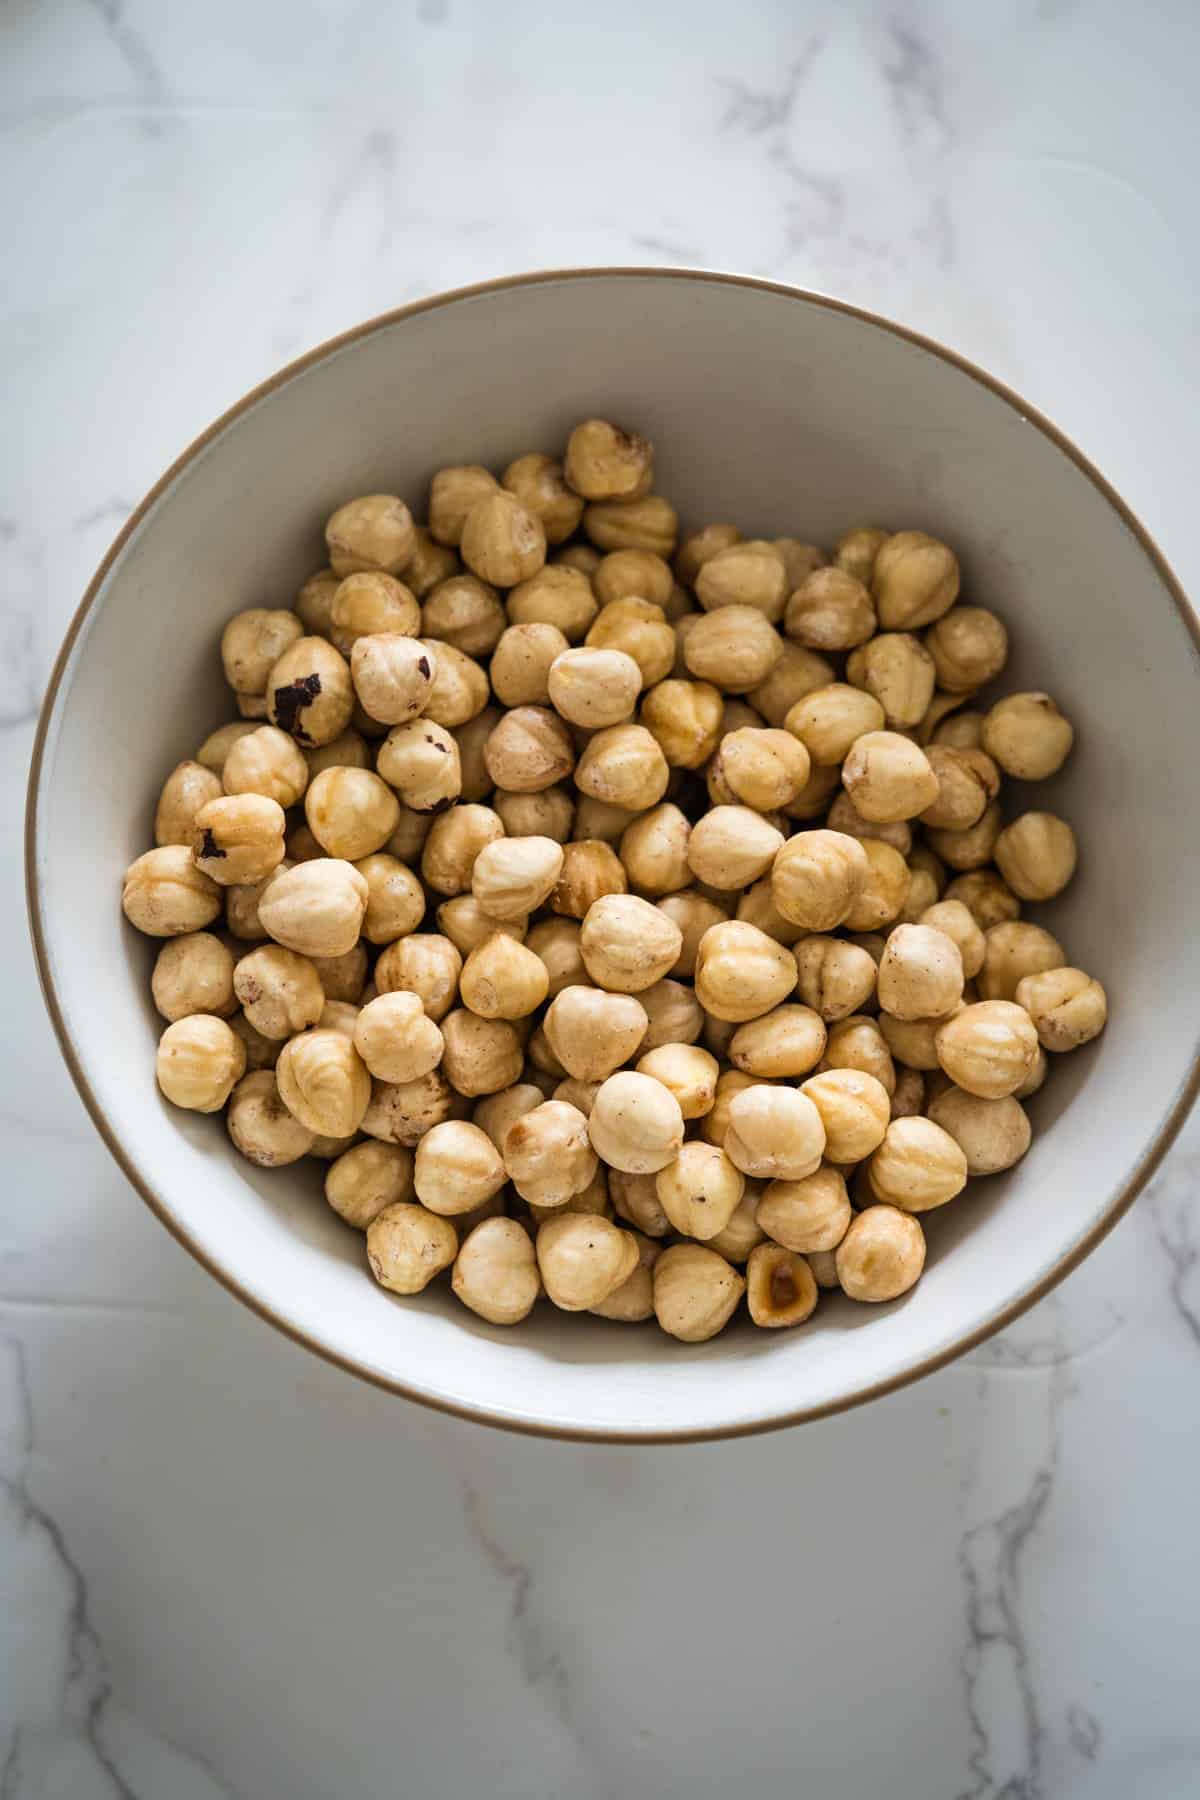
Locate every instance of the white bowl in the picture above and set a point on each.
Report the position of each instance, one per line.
(790, 414)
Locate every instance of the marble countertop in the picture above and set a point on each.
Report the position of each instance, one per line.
(227, 1569)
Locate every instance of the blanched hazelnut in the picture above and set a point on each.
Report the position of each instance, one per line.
(774, 1133)
(817, 877)
(757, 906)
(1036, 855)
(216, 747)
(1012, 950)
(592, 1032)
(969, 646)
(238, 838)
(812, 802)
(987, 898)
(539, 484)
(556, 941)
(1027, 736)
(741, 973)
(796, 673)
(603, 462)
(199, 1060)
(457, 1168)
(675, 1014)
(992, 1134)
(373, 532)
(882, 1254)
(988, 1048)
(635, 1199)
(780, 1287)
(639, 629)
(912, 1042)
(743, 1233)
(316, 908)
(898, 671)
(696, 550)
(424, 964)
(830, 610)
(501, 979)
(1067, 1006)
(857, 1042)
(888, 777)
(530, 749)
(401, 1112)
(972, 847)
(747, 574)
(914, 580)
(548, 1154)
(187, 788)
(594, 687)
(339, 1015)
(909, 1097)
(855, 1110)
(279, 991)
(314, 602)
(266, 762)
(261, 1052)
(496, 1112)
(633, 1301)
(636, 1124)
(550, 812)
(696, 1292)
(241, 904)
(511, 877)
(764, 769)
(961, 730)
(496, 1272)
(650, 523)
(968, 781)
(810, 1214)
(558, 596)
(734, 648)
(639, 574)
(479, 1056)
(430, 564)
(583, 1259)
(372, 605)
(366, 1179)
(732, 846)
(501, 542)
(920, 973)
(460, 687)
(590, 869)
(917, 1167)
(693, 913)
(452, 494)
(654, 850)
(845, 816)
(955, 920)
(454, 841)
(686, 1071)
(579, 1094)
(393, 676)
(700, 1190)
(351, 812)
(466, 613)
(685, 720)
(309, 692)
(395, 1038)
(783, 1043)
(835, 977)
(193, 974)
(856, 550)
(252, 643)
(421, 761)
(407, 1245)
(627, 944)
(324, 1082)
(261, 1126)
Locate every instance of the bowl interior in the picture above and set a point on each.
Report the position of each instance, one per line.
(786, 415)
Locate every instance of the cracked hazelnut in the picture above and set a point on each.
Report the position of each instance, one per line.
(780, 1287)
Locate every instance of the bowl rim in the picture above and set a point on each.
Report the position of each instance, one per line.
(1004, 1316)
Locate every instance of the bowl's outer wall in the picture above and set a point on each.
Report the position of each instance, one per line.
(785, 415)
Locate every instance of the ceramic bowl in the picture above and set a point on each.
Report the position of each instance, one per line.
(790, 414)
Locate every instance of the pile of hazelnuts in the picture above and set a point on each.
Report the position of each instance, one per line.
(623, 918)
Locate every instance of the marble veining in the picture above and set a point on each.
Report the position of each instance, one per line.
(226, 1569)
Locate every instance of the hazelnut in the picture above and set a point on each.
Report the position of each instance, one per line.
(650, 523)
(696, 1292)
(407, 1245)
(912, 1042)
(550, 812)
(636, 1124)
(987, 898)
(252, 643)
(280, 992)
(857, 1042)
(835, 977)
(830, 610)
(784, 1043)
(261, 1126)
(593, 687)
(635, 1199)
(316, 908)
(757, 906)
(457, 1168)
(898, 671)
(480, 1056)
(972, 847)
(395, 900)
(774, 1133)
(810, 1214)
(496, 1273)
(961, 731)
(969, 647)
(460, 687)
(988, 1048)
(603, 462)
(238, 838)
(548, 1155)
(266, 762)
(558, 596)
(465, 612)
(165, 894)
(845, 816)
(675, 1014)
(628, 574)
(693, 913)
(452, 494)
(909, 1096)
(396, 1040)
(684, 718)
(914, 580)
(583, 1259)
(639, 629)
(1067, 1006)
(968, 781)
(216, 747)
(502, 543)
(686, 1071)
(1013, 949)
(700, 1190)
(746, 574)
(529, 750)
(393, 676)
(496, 1112)
(732, 846)
(696, 550)
(917, 1167)
(351, 812)
(372, 605)
(402, 1112)
(539, 483)
(992, 1134)
(373, 532)
(199, 1060)
(796, 673)
(855, 1110)
(429, 565)
(421, 761)
(888, 777)
(627, 944)
(501, 979)
(324, 1082)
(633, 1301)
(741, 973)
(424, 964)
(654, 850)
(187, 788)
(1031, 1084)
(592, 1032)
(590, 869)
(309, 692)
(954, 919)
(1027, 736)
(764, 769)
(780, 1287)
(734, 648)
(881, 1255)
(408, 839)
(1036, 855)
(314, 602)
(366, 1179)
(920, 974)
(511, 877)
(556, 941)
(856, 550)
(812, 802)
(193, 974)
(817, 877)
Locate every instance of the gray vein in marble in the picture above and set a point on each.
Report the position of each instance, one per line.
(22, 580)
(368, 177)
(149, 82)
(914, 80)
(762, 110)
(110, 512)
(1171, 1200)
(1017, 1349)
(1084, 1731)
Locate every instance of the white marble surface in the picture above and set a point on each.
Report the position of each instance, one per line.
(228, 1569)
